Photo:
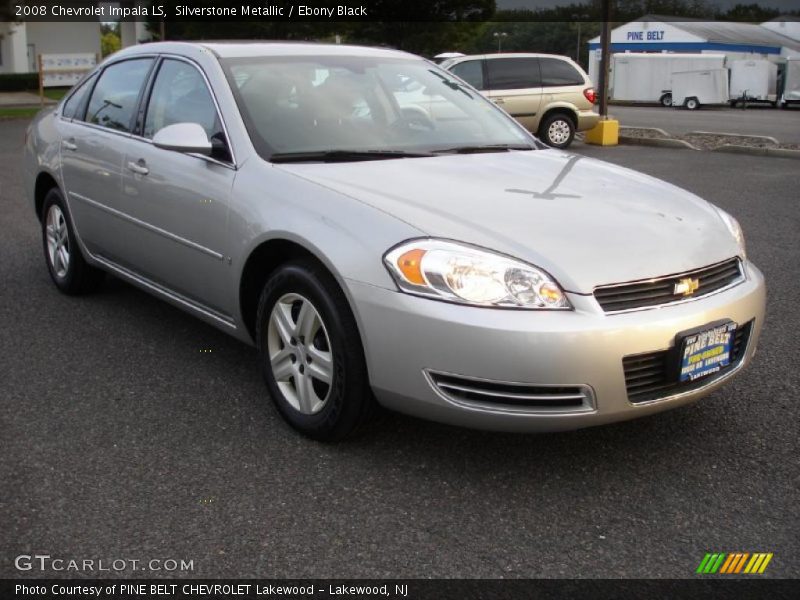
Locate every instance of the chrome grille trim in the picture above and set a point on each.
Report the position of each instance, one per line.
(511, 397)
(657, 292)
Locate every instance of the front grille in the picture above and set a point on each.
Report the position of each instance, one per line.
(655, 292)
(499, 394)
(654, 375)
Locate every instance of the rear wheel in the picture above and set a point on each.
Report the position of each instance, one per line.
(310, 353)
(666, 100)
(67, 267)
(557, 131)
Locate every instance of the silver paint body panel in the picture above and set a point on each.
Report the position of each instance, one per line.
(185, 230)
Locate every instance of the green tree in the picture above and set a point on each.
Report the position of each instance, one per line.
(110, 43)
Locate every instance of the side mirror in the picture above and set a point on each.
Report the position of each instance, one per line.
(183, 137)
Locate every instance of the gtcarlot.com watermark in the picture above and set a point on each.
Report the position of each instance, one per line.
(46, 563)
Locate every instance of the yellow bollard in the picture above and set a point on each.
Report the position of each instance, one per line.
(605, 133)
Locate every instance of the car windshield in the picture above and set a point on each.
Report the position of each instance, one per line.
(355, 107)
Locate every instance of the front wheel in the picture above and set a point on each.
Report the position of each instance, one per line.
(557, 131)
(692, 104)
(68, 269)
(310, 353)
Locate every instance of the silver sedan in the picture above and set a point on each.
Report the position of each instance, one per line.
(384, 235)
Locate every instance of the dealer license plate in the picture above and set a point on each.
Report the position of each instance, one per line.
(706, 352)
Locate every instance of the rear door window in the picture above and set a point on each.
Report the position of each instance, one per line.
(513, 73)
(470, 71)
(114, 98)
(556, 72)
(73, 107)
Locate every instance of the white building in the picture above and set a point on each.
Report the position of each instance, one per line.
(774, 40)
(22, 43)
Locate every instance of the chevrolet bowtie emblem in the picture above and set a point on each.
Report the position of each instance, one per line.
(686, 286)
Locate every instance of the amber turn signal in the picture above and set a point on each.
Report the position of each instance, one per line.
(410, 265)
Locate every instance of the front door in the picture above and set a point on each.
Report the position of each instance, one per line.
(176, 203)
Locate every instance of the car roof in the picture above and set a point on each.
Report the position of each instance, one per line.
(510, 55)
(248, 49)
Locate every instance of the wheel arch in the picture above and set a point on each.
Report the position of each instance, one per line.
(567, 111)
(45, 182)
(269, 254)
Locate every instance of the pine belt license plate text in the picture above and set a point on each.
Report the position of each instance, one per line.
(706, 352)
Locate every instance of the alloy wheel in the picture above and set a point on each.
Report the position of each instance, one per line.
(57, 241)
(299, 353)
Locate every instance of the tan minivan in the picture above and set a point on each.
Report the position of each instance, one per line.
(549, 94)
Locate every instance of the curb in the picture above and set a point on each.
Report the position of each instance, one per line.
(655, 129)
(752, 150)
(657, 142)
(767, 138)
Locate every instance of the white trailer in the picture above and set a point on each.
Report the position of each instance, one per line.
(647, 77)
(754, 81)
(693, 89)
(790, 89)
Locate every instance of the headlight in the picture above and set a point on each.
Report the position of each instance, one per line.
(733, 227)
(461, 273)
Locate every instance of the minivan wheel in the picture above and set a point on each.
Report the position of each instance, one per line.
(666, 100)
(557, 131)
(310, 353)
(68, 269)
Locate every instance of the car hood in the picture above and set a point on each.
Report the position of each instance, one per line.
(586, 222)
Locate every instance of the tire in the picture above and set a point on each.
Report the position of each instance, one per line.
(68, 269)
(666, 100)
(692, 104)
(557, 131)
(306, 334)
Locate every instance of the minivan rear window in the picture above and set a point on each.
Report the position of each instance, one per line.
(470, 71)
(513, 73)
(556, 72)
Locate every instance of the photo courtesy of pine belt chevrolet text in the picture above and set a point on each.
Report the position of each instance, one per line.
(385, 235)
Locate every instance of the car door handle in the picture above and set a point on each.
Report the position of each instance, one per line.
(69, 145)
(499, 101)
(138, 167)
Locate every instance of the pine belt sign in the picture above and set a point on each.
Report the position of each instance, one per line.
(63, 70)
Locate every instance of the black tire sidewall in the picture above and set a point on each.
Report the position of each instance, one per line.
(342, 411)
(546, 126)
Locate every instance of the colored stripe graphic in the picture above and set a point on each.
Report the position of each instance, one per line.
(734, 563)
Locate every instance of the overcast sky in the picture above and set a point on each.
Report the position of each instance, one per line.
(783, 5)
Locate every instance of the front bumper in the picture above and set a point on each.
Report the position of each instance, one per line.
(406, 338)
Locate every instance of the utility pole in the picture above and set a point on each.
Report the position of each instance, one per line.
(606, 132)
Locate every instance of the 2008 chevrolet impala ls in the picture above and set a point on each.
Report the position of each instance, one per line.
(384, 234)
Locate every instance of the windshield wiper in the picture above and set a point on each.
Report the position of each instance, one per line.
(484, 148)
(343, 155)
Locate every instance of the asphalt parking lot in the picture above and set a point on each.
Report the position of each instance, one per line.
(784, 125)
(123, 438)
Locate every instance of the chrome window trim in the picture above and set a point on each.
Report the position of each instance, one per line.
(739, 280)
(129, 135)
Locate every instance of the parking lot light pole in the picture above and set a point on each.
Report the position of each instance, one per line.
(500, 35)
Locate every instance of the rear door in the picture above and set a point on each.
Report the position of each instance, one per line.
(177, 204)
(96, 120)
(514, 84)
(562, 82)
